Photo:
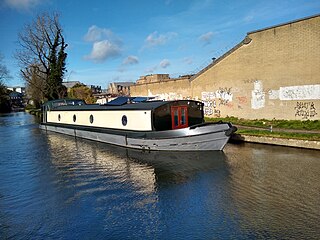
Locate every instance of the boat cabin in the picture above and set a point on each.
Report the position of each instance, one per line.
(125, 115)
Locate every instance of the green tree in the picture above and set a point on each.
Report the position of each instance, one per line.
(80, 91)
(54, 88)
(42, 53)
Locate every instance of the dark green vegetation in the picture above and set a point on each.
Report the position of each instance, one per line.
(34, 111)
(80, 91)
(293, 129)
(288, 135)
(4, 98)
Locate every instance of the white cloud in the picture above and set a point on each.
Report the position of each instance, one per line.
(206, 38)
(23, 5)
(248, 18)
(106, 44)
(154, 39)
(151, 69)
(103, 50)
(95, 34)
(164, 63)
(188, 60)
(131, 60)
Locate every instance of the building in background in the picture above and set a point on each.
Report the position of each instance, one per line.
(151, 78)
(95, 89)
(21, 90)
(70, 84)
(17, 97)
(119, 88)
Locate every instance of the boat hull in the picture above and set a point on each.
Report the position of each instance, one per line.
(206, 137)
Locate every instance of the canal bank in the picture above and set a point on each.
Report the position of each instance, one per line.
(272, 140)
(277, 141)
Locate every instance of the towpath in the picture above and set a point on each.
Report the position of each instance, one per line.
(299, 143)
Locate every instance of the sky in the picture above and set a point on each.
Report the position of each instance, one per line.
(119, 41)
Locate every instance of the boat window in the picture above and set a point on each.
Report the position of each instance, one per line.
(59, 117)
(91, 118)
(124, 120)
(74, 118)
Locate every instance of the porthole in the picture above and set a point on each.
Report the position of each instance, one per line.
(91, 118)
(124, 120)
(59, 117)
(74, 118)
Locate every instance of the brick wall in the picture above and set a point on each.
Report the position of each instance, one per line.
(168, 90)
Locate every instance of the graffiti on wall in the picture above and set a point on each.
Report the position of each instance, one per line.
(165, 96)
(289, 93)
(303, 92)
(242, 99)
(258, 98)
(212, 101)
(273, 94)
(208, 99)
(305, 110)
(224, 95)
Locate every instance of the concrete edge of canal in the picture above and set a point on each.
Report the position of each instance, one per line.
(277, 141)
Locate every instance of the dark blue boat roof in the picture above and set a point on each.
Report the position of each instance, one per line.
(119, 101)
(141, 99)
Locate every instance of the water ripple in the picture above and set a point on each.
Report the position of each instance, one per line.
(57, 187)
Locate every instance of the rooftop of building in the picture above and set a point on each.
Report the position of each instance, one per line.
(283, 24)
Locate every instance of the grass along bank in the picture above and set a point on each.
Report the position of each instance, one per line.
(264, 123)
(286, 135)
(288, 129)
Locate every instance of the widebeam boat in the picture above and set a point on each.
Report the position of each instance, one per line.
(138, 124)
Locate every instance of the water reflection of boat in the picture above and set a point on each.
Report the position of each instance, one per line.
(144, 166)
(200, 160)
(179, 166)
(159, 125)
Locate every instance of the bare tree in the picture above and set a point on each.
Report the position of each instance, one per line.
(4, 72)
(41, 54)
(35, 85)
(4, 94)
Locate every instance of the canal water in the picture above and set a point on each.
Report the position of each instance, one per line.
(56, 187)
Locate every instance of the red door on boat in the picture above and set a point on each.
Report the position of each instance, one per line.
(179, 117)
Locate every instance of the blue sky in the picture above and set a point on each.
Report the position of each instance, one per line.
(122, 40)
